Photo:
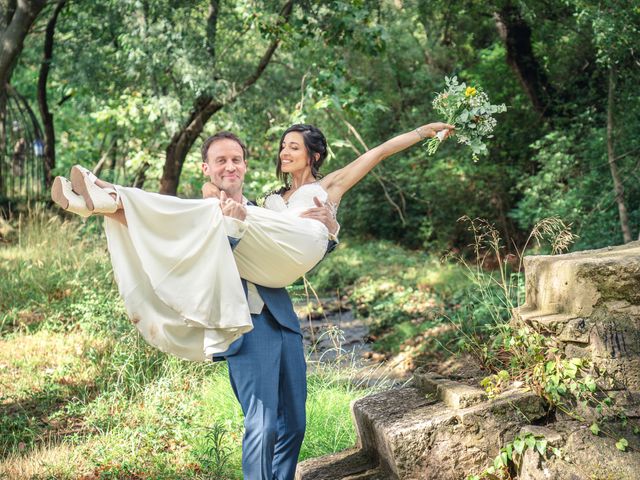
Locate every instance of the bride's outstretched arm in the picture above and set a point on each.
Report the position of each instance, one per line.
(339, 182)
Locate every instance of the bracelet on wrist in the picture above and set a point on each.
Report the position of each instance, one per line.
(420, 134)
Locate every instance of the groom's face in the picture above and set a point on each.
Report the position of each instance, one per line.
(226, 165)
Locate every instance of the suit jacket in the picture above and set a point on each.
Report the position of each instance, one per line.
(278, 302)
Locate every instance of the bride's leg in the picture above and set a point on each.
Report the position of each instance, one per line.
(118, 216)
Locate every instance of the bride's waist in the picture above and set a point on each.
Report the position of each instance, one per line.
(289, 216)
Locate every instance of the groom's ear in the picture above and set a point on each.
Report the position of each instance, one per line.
(205, 168)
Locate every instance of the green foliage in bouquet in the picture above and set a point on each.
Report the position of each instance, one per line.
(469, 109)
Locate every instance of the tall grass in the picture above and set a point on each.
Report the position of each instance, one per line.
(483, 322)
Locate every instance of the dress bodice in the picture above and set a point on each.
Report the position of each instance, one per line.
(299, 201)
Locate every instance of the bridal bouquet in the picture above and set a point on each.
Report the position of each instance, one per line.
(469, 109)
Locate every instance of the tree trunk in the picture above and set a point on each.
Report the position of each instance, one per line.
(47, 117)
(617, 183)
(205, 107)
(3, 137)
(516, 35)
(17, 18)
(182, 142)
(141, 175)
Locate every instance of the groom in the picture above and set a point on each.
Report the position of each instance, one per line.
(266, 365)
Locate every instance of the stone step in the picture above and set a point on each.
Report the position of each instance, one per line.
(351, 464)
(572, 284)
(590, 303)
(415, 435)
(454, 394)
(373, 474)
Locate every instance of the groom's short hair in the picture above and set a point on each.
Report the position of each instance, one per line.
(222, 135)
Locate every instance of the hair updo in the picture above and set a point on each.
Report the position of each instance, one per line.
(315, 143)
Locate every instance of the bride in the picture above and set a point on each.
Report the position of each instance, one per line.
(173, 258)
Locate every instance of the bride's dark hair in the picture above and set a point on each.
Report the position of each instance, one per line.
(314, 141)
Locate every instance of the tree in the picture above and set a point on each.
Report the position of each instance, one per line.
(16, 19)
(207, 105)
(45, 113)
(515, 32)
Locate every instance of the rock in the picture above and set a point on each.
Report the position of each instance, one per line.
(420, 438)
(346, 464)
(584, 456)
(444, 427)
(454, 394)
(591, 302)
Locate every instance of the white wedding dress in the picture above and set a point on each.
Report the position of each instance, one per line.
(180, 279)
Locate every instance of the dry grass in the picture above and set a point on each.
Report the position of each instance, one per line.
(49, 460)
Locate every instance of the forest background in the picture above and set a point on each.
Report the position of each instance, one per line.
(132, 88)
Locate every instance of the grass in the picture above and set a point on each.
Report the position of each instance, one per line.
(83, 397)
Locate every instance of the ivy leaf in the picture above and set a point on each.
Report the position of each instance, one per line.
(509, 449)
(571, 370)
(594, 428)
(518, 445)
(530, 440)
(550, 367)
(556, 452)
(541, 446)
(622, 444)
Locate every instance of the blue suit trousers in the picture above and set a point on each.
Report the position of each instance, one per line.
(268, 377)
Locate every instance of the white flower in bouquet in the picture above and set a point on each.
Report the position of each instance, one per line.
(469, 109)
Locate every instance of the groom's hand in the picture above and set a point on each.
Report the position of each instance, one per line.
(231, 208)
(324, 214)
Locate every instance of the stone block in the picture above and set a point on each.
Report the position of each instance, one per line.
(574, 283)
(458, 395)
(553, 437)
(590, 301)
(416, 438)
(452, 393)
(584, 456)
(576, 330)
(346, 464)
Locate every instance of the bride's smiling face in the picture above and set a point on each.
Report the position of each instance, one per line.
(294, 155)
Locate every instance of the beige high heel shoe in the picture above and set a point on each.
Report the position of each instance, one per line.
(98, 199)
(62, 193)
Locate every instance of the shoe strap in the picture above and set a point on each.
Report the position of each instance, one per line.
(87, 173)
(113, 190)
